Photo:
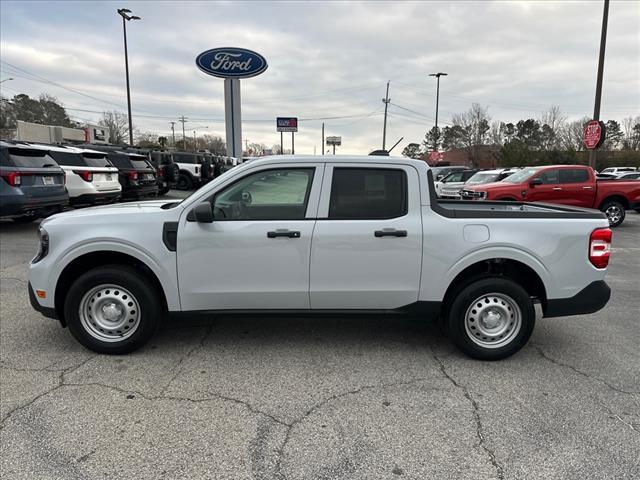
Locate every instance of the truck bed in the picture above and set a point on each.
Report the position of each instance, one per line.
(505, 209)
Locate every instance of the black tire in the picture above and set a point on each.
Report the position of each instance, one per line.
(114, 277)
(637, 210)
(163, 191)
(184, 182)
(514, 335)
(26, 218)
(614, 211)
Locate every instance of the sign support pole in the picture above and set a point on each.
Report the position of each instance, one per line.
(322, 144)
(596, 108)
(233, 123)
(281, 144)
(293, 144)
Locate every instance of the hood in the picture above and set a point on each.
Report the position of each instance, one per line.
(489, 186)
(117, 210)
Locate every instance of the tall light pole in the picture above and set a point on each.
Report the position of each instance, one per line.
(596, 108)
(437, 75)
(124, 13)
(173, 134)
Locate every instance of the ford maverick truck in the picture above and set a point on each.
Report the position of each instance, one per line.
(300, 235)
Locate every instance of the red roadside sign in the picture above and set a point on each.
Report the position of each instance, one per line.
(593, 134)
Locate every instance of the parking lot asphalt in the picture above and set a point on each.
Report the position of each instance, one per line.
(320, 398)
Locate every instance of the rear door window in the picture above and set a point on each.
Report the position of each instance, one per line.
(574, 175)
(368, 193)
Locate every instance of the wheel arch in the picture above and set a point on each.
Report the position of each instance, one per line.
(509, 268)
(98, 258)
(615, 198)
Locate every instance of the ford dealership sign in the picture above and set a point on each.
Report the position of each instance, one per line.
(231, 63)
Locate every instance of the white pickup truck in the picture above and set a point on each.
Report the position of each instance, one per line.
(296, 235)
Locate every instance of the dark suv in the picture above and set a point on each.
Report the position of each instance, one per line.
(32, 183)
(167, 170)
(137, 176)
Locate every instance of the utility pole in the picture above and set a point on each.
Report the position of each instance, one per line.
(386, 101)
(183, 120)
(437, 75)
(124, 13)
(322, 144)
(596, 108)
(173, 134)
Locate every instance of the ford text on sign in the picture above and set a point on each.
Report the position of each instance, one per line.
(231, 63)
(287, 124)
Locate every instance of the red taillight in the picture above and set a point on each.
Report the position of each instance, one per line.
(133, 175)
(161, 172)
(600, 247)
(12, 178)
(86, 175)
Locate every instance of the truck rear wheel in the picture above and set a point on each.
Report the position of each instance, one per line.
(112, 309)
(614, 211)
(491, 318)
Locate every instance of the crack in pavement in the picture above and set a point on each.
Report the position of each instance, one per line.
(476, 414)
(60, 384)
(614, 415)
(178, 366)
(280, 451)
(580, 372)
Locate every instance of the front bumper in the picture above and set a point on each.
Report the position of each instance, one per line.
(589, 300)
(46, 311)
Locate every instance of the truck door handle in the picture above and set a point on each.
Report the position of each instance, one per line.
(586, 188)
(390, 232)
(283, 233)
(557, 188)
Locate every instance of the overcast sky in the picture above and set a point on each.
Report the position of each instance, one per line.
(326, 59)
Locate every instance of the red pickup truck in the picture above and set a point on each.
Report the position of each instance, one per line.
(564, 184)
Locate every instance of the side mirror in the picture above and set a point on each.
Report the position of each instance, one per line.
(535, 181)
(203, 213)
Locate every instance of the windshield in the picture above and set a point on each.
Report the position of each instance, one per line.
(453, 177)
(521, 176)
(482, 177)
(68, 158)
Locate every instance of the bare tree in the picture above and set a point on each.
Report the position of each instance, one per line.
(631, 139)
(474, 124)
(555, 121)
(118, 126)
(572, 134)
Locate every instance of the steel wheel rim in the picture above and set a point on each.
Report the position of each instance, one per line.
(493, 320)
(613, 214)
(109, 313)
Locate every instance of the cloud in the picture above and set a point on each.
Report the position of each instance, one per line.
(327, 60)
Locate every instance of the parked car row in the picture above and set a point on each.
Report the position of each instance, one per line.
(575, 185)
(41, 179)
(450, 186)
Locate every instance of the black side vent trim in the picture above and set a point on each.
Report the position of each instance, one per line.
(170, 235)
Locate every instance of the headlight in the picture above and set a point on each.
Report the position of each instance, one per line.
(43, 247)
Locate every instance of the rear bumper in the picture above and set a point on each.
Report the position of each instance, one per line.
(589, 300)
(46, 311)
(95, 198)
(140, 191)
(14, 205)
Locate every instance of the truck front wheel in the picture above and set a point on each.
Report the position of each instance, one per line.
(184, 182)
(614, 211)
(112, 309)
(491, 318)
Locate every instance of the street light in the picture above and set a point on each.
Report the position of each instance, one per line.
(7, 79)
(124, 13)
(437, 75)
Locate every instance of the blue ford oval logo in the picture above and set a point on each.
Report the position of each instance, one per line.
(231, 63)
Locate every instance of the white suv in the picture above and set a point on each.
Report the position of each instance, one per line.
(91, 179)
